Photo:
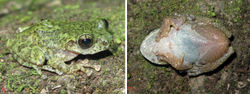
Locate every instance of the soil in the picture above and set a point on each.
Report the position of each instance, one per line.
(233, 77)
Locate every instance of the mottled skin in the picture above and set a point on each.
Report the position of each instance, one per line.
(57, 42)
(207, 49)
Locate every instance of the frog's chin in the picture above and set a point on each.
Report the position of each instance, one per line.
(147, 48)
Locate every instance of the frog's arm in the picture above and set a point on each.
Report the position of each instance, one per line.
(165, 28)
(174, 61)
(58, 66)
(57, 63)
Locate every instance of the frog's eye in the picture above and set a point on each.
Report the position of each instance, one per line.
(85, 41)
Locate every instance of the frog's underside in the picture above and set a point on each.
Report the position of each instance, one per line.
(198, 51)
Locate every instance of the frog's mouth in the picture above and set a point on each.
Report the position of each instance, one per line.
(96, 56)
(74, 52)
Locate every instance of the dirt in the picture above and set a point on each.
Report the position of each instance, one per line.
(230, 78)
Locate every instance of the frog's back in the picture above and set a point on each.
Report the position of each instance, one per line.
(21, 40)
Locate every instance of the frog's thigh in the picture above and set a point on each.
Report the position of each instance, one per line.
(217, 63)
(32, 55)
(22, 62)
(37, 56)
(204, 64)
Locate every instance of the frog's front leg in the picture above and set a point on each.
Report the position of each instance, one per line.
(165, 28)
(35, 61)
(58, 65)
(84, 64)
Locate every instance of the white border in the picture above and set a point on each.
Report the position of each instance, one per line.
(126, 37)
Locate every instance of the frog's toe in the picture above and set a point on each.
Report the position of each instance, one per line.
(58, 72)
(38, 70)
(86, 64)
(44, 76)
(83, 66)
(97, 67)
(87, 71)
(194, 71)
(49, 68)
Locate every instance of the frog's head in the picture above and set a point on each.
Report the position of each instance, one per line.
(92, 39)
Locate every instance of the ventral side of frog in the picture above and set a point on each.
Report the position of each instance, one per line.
(188, 43)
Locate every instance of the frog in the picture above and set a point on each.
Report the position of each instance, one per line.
(49, 44)
(189, 43)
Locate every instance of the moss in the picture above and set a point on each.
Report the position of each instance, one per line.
(13, 4)
(1, 55)
(17, 19)
(5, 66)
(235, 9)
(211, 12)
(106, 71)
(21, 82)
(167, 74)
(150, 9)
(63, 91)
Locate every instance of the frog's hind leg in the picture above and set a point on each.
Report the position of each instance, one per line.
(205, 66)
(32, 57)
(208, 66)
(30, 65)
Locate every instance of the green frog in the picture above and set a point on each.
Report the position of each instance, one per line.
(48, 44)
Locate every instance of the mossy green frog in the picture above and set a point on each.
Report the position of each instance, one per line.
(49, 44)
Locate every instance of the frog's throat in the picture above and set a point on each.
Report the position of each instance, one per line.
(146, 48)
